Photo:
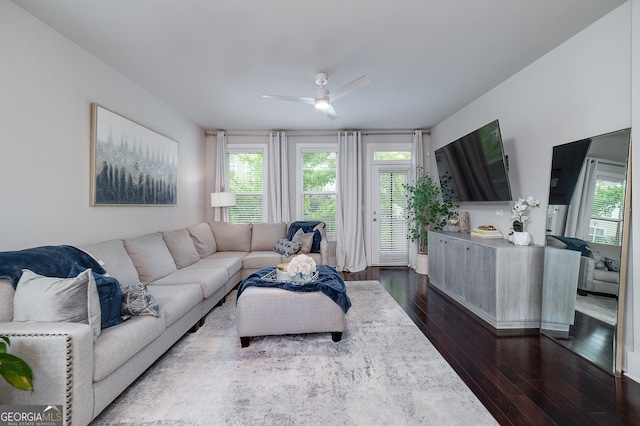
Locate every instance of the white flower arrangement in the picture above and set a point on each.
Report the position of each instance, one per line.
(301, 264)
(518, 210)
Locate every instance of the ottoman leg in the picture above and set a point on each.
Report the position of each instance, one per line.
(336, 336)
(244, 341)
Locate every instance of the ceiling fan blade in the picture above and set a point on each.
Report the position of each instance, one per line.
(350, 87)
(299, 99)
(331, 113)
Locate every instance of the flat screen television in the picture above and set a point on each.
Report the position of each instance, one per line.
(474, 167)
(566, 164)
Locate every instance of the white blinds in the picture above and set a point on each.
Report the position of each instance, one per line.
(392, 217)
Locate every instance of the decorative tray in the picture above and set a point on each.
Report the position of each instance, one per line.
(273, 276)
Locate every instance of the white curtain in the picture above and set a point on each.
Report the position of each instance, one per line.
(221, 175)
(278, 172)
(417, 161)
(579, 211)
(350, 252)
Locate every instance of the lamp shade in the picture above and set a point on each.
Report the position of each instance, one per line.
(223, 199)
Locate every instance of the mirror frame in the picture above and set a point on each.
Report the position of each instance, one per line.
(622, 289)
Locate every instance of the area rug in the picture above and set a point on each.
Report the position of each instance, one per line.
(383, 372)
(599, 307)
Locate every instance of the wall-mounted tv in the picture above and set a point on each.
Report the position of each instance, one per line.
(474, 167)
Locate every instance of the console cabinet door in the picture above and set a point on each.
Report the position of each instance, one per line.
(436, 258)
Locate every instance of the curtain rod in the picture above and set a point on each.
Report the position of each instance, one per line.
(327, 133)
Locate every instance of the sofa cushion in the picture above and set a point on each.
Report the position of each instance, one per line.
(116, 345)
(150, 256)
(109, 294)
(47, 299)
(203, 239)
(261, 259)
(232, 237)
(210, 280)
(115, 259)
(6, 300)
(231, 260)
(181, 247)
(176, 300)
(138, 301)
(317, 257)
(266, 235)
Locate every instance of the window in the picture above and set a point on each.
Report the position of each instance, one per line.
(391, 155)
(318, 193)
(246, 177)
(605, 224)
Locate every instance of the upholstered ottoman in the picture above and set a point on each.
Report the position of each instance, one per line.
(269, 310)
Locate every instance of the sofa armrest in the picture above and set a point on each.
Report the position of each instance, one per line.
(324, 251)
(61, 358)
(585, 278)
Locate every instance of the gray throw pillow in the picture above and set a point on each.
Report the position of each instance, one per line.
(305, 240)
(136, 300)
(46, 299)
(286, 247)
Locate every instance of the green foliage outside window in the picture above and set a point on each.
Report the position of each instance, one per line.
(245, 180)
(319, 188)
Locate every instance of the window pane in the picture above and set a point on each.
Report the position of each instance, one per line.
(392, 217)
(319, 188)
(392, 155)
(605, 225)
(320, 207)
(318, 171)
(245, 179)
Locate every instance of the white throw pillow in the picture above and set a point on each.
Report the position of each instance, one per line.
(47, 299)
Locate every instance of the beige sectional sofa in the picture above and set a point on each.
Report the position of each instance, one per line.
(187, 271)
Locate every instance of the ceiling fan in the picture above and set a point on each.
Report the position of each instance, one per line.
(323, 98)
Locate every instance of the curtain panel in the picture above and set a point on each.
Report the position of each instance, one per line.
(417, 165)
(278, 171)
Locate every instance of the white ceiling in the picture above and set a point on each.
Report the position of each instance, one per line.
(212, 59)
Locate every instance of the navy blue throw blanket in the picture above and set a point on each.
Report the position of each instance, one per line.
(50, 261)
(329, 282)
(574, 244)
(307, 226)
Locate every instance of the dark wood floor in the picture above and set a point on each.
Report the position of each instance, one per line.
(528, 380)
(591, 338)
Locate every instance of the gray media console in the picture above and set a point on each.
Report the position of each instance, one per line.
(499, 282)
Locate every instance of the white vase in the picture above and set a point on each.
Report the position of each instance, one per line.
(521, 238)
(422, 264)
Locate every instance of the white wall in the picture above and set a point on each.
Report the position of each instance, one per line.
(47, 85)
(581, 89)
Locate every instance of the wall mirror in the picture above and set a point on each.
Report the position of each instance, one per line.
(585, 251)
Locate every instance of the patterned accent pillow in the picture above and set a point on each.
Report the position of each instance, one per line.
(136, 300)
(286, 247)
(612, 264)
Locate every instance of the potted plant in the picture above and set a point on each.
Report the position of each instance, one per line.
(520, 236)
(14, 369)
(426, 212)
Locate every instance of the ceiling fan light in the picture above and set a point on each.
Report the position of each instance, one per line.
(322, 103)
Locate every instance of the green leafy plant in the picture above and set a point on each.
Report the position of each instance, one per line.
(425, 210)
(14, 370)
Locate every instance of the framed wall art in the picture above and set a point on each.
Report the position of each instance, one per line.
(131, 165)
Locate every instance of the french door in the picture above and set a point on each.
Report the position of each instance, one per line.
(389, 243)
